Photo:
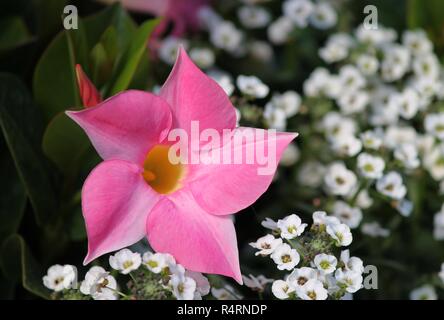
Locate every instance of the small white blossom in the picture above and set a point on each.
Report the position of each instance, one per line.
(253, 17)
(351, 280)
(351, 263)
(291, 226)
(275, 118)
(285, 257)
(441, 273)
(298, 11)
(346, 145)
(203, 57)
(226, 36)
(426, 292)
(339, 180)
(323, 16)
(353, 102)
(340, 233)
(202, 284)
(434, 124)
(183, 287)
(60, 277)
(270, 224)
(158, 262)
(407, 153)
(99, 284)
(266, 245)
(351, 216)
(417, 42)
(289, 102)
(371, 139)
(391, 185)
(252, 86)
(370, 166)
(256, 283)
(279, 31)
(320, 218)
(300, 276)
(367, 64)
(281, 289)
(290, 155)
(125, 261)
(312, 290)
(225, 293)
(325, 263)
(311, 174)
(374, 229)
(223, 79)
(169, 48)
(408, 103)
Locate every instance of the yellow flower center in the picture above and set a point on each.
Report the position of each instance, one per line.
(160, 173)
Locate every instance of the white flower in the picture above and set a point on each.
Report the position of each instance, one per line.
(396, 135)
(434, 124)
(351, 280)
(391, 185)
(339, 180)
(340, 233)
(298, 11)
(291, 226)
(281, 289)
(290, 155)
(417, 42)
(323, 16)
(225, 293)
(270, 224)
(183, 287)
(434, 162)
(426, 292)
(438, 225)
(169, 48)
(374, 229)
(125, 261)
(99, 284)
(354, 264)
(300, 276)
(261, 50)
(266, 244)
(252, 86)
(208, 18)
(395, 63)
(158, 262)
(320, 218)
(441, 273)
(223, 79)
(408, 103)
(275, 117)
(315, 85)
(253, 16)
(289, 102)
(371, 139)
(256, 283)
(312, 290)
(279, 31)
(426, 66)
(203, 57)
(370, 166)
(351, 78)
(202, 284)
(337, 48)
(60, 277)
(311, 174)
(375, 37)
(346, 145)
(325, 263)
(407, 153)
(351, 216)
(353, 102)
(363, 200)
(367, 64)
(226, 36)
(336, 125)
(285, 257)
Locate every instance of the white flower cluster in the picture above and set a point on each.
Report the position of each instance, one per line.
(99, 284)
(384, 124)
(315, 272)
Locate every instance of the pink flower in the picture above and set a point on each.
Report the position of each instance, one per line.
(136, 191)
(183, 14)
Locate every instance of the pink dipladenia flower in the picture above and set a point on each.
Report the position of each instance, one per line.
(136, 191)
(183, 14)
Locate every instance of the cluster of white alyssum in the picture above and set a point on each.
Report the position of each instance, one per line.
(316, 268)
(153, 276)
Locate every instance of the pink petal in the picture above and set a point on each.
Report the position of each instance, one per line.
(198, 240)
(115, 204)
(155, 7)
(228, 188)
(193, 96)
(125, 126)
(88, 92)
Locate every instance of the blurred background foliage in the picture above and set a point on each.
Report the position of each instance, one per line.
(45, 157)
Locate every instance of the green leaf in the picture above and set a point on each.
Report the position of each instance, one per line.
(64, 142)
(13, 199)
(21, 127)
(128, 67)
(20, 265)
(13, 33)
(48, 14)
